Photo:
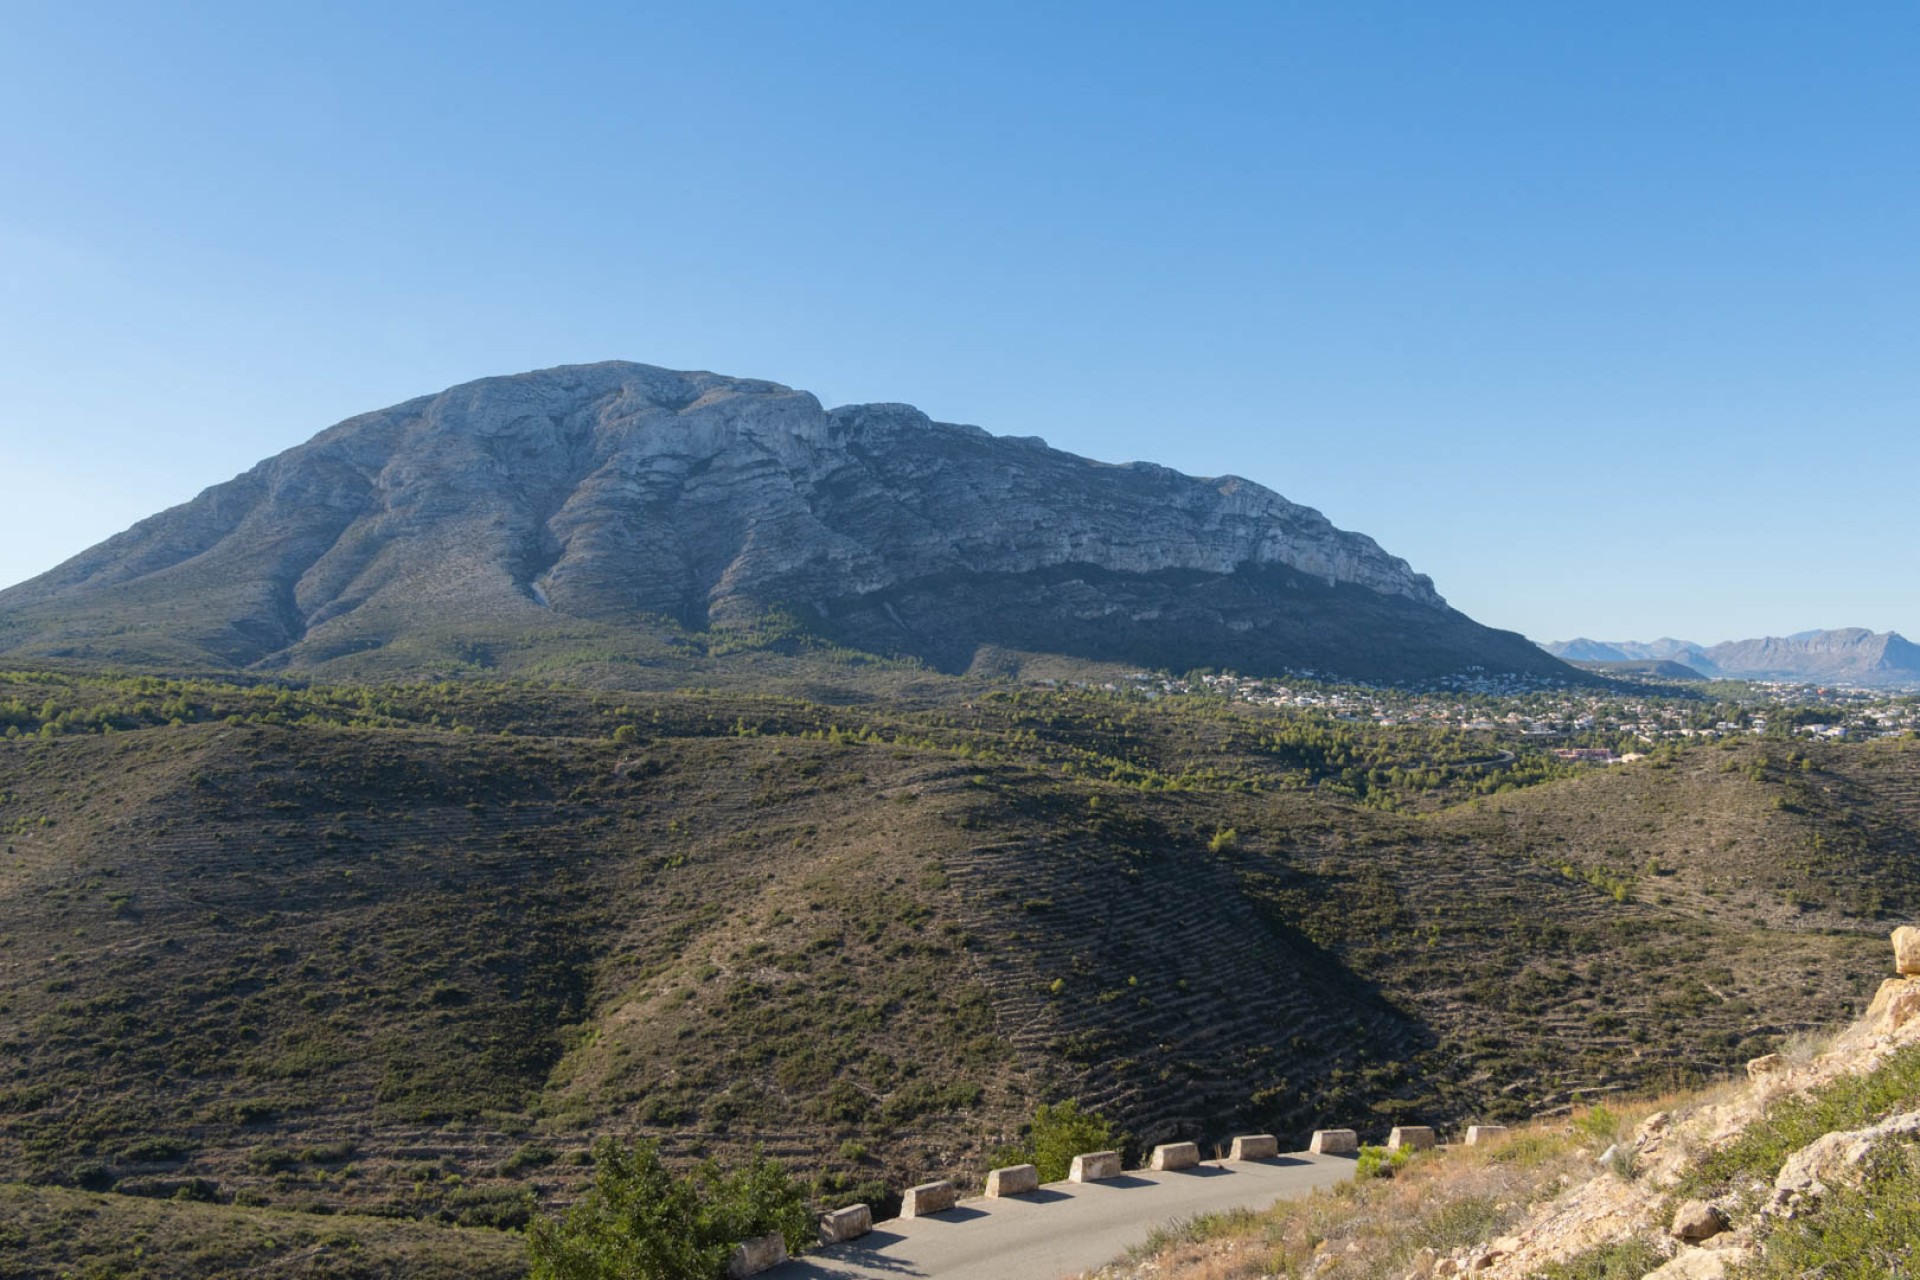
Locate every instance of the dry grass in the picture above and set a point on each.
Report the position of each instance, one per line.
(1440, 1200)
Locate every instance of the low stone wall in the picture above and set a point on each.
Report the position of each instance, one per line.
(1481, 1133)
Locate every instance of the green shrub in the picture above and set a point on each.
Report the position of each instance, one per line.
(531, 1156)
(1378, 1162)
(1869, 1230)
(1853, 1102)
(1059, 1132)
(641, 1221)
(1622, 1260)
(1600, 1123)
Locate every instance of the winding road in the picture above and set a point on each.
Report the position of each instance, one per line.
(1065, 1228)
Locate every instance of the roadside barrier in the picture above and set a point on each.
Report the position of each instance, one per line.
(1254, 1146)
(1014, 1180)
(1414, 1137)
(1174, 1155)
(1330, 1142)
(850, 1223)
(928, 1197)
(1095, 1166)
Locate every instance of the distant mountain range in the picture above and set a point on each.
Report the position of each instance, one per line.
(639, 520)
(1851, 655)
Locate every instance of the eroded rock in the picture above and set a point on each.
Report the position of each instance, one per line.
(1906, 950)
(1696, 1220)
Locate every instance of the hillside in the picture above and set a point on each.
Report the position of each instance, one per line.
(1660, 668)
(1808, 1165)
(404, 951)
(636, 526)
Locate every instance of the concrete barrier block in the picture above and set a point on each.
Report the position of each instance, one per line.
(1479, 1133)
(1095, 1166)
(928, 1197)
(1333, 1142)
(751, 1257)
(1254, 1146)
(1414, 1137)
(1014, 1180)
(1174, 1155)
(849, 1223)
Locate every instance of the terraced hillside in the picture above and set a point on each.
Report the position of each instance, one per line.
(405, 952)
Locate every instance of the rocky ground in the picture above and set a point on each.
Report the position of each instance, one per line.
(1710, 1237)
(1744, 1181)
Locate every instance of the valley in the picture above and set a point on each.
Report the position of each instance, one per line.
(393, 954)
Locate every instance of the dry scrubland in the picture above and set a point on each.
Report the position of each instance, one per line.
(1809, 1166)
(338, 975)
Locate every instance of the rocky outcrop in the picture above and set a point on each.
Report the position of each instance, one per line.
(1906, 951)
(1834, 1159)
(582, 504)
(1711, 1238)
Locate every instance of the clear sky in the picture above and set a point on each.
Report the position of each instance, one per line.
(1607, 316)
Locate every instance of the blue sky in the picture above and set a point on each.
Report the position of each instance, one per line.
(1605, 316)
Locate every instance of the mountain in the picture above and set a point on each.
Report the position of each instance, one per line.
(1850, 656)
(1664, 650)
(625, 514)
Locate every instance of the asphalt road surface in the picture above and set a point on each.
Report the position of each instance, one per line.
(1065, 1228)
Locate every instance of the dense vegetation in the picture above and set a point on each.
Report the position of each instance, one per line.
(642, 1221)
(403, 952)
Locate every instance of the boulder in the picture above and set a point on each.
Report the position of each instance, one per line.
(1698, 1264)
(1906, 950)
(1834, 1158)
(1895, 1004)
(1696, 1220)
(1771, 1064)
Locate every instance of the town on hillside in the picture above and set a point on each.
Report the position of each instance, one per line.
(1578, 724)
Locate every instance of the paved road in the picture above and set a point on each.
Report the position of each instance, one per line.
(1063, 1229)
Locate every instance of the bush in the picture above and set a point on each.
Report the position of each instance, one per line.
(1852, 1102)
(1858, 1231)
(1059, 1132)
(1378, 1162)
(642, 1222)
(1621, 1260)
(1600, 1123)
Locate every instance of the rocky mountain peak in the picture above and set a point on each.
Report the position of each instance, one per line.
(615, 493)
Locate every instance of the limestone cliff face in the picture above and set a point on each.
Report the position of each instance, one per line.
(613, 492)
